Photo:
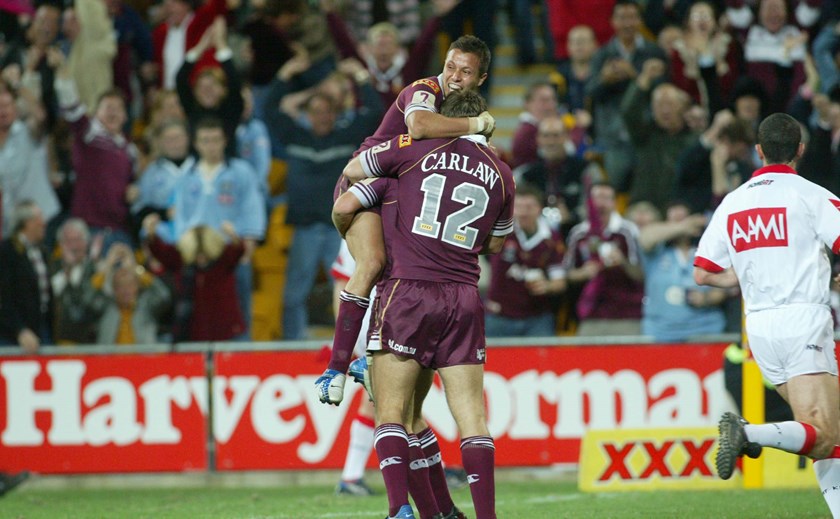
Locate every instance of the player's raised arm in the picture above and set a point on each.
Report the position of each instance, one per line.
(424, 124)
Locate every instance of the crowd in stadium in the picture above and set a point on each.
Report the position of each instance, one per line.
(144, 148)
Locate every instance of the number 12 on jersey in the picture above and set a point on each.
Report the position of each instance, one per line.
(456, 230)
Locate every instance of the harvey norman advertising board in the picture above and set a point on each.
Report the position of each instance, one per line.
(141, 412)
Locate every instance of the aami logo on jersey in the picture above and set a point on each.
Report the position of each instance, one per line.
(754, 228)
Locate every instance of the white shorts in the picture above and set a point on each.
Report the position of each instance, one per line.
(792, 340)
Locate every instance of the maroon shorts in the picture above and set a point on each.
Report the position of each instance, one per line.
(436, 324)
(342, 186)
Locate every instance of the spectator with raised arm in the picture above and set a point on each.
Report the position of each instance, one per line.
(216, 91)
(206, 264)
(614, 68)
(675, 308)
(659, 135)
(603, 263)
(129, 300)
(103, 160)
(318, 153)
(775, 52)
(706, 60)
(183, 27)
(391, 65)
(720, 160)
(93, 46)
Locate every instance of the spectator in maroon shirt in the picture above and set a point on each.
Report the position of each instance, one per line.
(391, 65)
(207, 287)
(603, 260)
(526, 273)
(706, 60)
(103, 160)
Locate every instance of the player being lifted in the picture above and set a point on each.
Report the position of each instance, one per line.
(415, 113)
(454, 201)
(770, 237)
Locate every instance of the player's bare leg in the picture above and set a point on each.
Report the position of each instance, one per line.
(464, 386)
(367, 246)
(393, 380)
(430, 448)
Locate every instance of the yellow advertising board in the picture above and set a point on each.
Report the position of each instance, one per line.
(785, 470)
(651, 459)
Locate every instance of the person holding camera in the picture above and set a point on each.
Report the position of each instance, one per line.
(674, 308)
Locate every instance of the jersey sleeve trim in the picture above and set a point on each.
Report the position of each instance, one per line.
(708, 265)
(416, 107)
(367, 196)
(502, 227)
(370, 164)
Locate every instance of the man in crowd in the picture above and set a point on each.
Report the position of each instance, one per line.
(25, 293)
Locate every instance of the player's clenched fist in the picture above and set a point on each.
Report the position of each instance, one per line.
(483, 124)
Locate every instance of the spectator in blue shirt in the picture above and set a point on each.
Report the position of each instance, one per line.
(217, 190)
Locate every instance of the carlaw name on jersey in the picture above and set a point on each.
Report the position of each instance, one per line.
(761, 227)
(458, 162)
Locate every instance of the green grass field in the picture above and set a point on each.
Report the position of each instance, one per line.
(526, 499)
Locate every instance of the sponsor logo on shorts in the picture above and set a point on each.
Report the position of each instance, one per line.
(399, 348)
(405, 140)
(472, 478)
(480, 354)
(814, 347)
(393, 460)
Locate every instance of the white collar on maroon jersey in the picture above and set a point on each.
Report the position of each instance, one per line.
(527, 243)
(440, 84)
(477, 138)
(775, 168)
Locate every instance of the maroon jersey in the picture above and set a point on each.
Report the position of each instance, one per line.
(524, 258)
(452, 194)
(423, 94)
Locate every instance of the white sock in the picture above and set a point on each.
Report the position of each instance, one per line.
(828, 476)
(358, 452)
(787, 436)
